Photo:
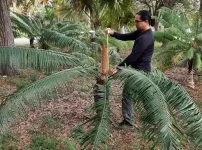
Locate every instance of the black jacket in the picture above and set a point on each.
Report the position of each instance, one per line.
(143, 48)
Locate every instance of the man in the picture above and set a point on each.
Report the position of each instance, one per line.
(140, 58)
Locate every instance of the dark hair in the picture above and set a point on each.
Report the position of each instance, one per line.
(146, 15)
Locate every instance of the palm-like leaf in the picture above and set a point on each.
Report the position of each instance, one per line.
(38, 59)
(179, 34)
(158, 95)
(180, 102)
(62, 40)
(60, 34)
(155, 113)
(27, 25)
(94, 139)
(34, 95)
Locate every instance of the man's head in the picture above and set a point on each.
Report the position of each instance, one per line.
(143, 20)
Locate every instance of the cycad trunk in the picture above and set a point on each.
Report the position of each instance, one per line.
(6, 35)
(200, 9)
(104, 62)
(191, 79)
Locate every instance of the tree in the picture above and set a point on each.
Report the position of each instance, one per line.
(6, 34)
(168, 3)
(101, 12)
(6, 38)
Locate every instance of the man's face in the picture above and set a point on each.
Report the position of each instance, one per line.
(140, 25)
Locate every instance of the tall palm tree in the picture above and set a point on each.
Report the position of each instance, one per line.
(167, 111)
(100, 12)
(183, 40)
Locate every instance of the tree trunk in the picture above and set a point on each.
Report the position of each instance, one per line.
(168, 3)
(200, 9)
(6, 36)
(31, 40)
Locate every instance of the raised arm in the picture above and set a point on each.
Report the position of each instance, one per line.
(126, 37)
(123, 37)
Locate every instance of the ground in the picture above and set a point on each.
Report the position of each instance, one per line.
(56, 119)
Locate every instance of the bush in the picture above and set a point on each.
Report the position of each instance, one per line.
(22, 74)
(7, 142)
(46, 143)
(43, 142)
(20, 85)
(33, 77)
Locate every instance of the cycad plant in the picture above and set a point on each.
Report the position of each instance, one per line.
(181, 38)
(64, 34)
(166, 110)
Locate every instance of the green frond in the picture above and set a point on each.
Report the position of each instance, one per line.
(60, 40)
(48, 61)
(114, 57)
(173, 18)
(95, 138)
(182, 104)
(190, 53)
(73, 33)
(176, 32)
(177, 45)
(155, 113)
(84, 59)
(197, 61)
(70, 26)
(163, 37)
(27, 25)
(19, 24)
(199, 37)
(45, 89)
(163, 58)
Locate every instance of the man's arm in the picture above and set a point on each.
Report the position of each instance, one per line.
(126, 37)
(141, 45)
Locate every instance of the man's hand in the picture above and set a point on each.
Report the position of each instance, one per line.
(113, 71)
(109, 31)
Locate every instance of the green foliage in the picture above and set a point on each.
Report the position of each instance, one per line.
(32, 96)
(157, 98)
(94, 139)
(181, 38)
(3, 93)
(181, 103)
(42, 142)
(46, 143)
(7, 141)
(22, 74)
(33, 77)
(197, 60)
(155, 115)
(48, 61)
(99, 12)
(77, 133)
(20, 85)
(51, 122)
(69, 145)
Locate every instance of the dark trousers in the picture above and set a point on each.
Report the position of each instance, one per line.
(128, 106)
